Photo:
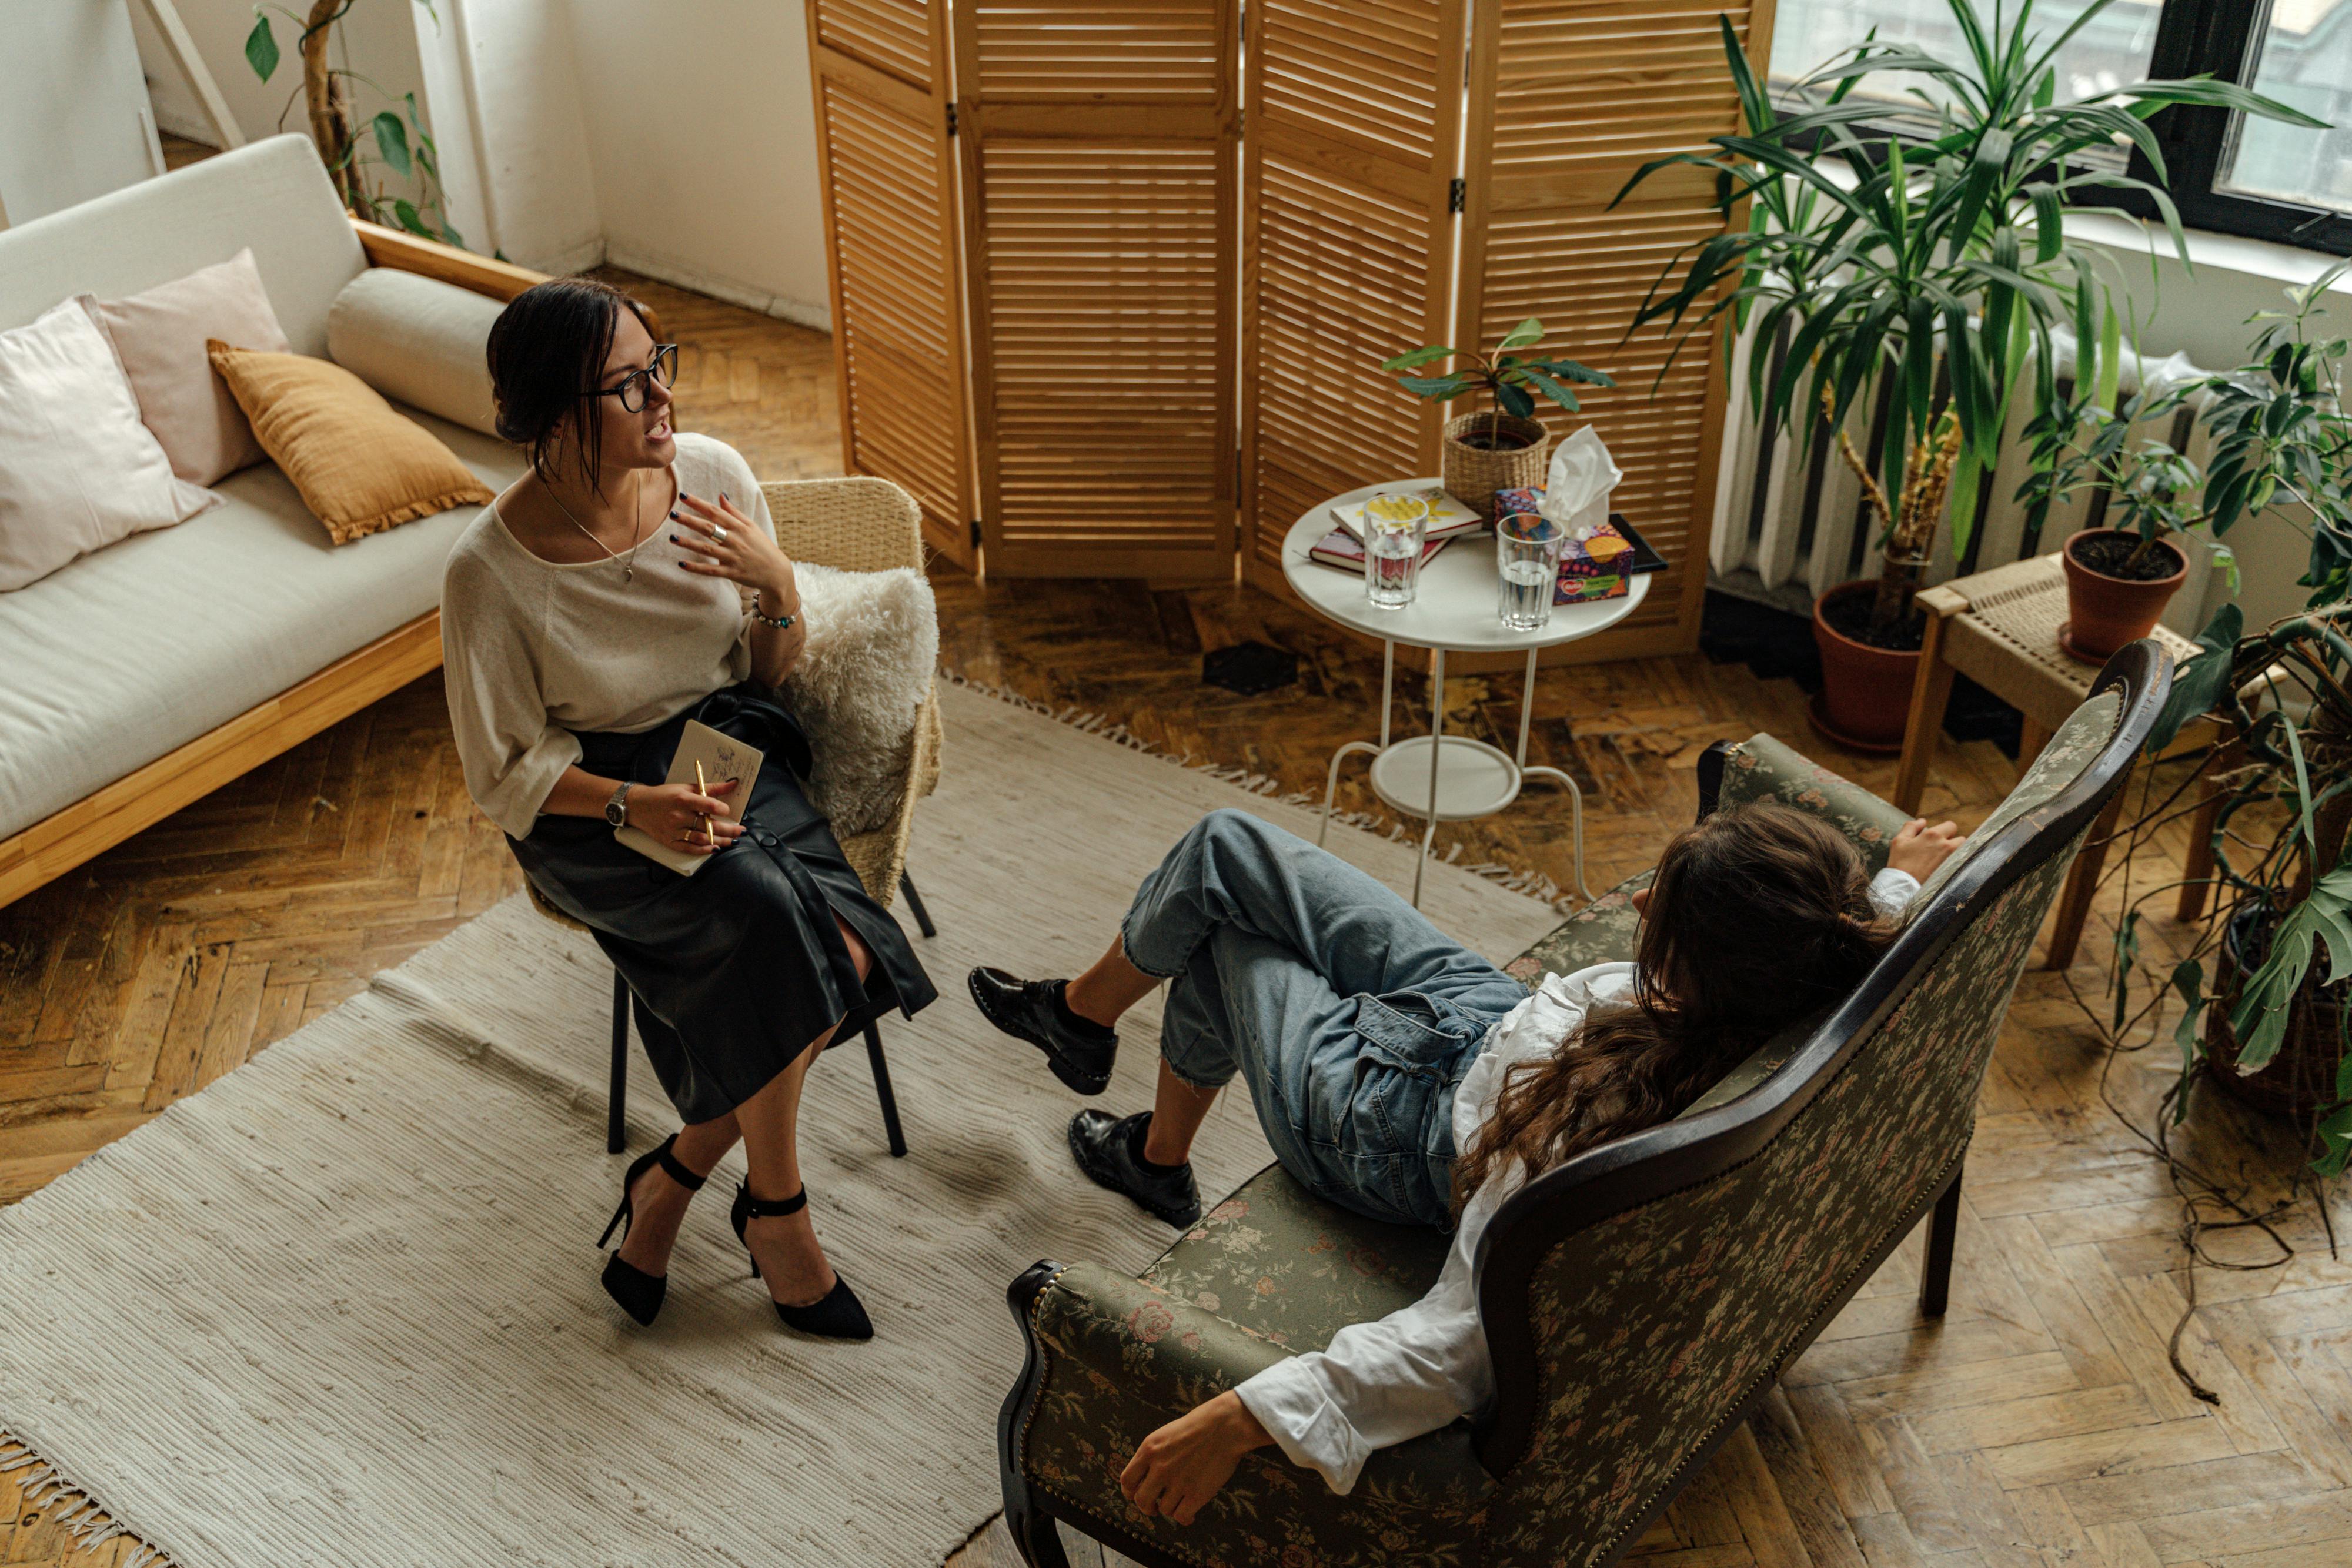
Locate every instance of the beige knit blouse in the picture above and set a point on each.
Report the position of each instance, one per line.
(534, 651)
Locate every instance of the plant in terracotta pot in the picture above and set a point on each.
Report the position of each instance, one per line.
(1502, 448)
(1934, 265)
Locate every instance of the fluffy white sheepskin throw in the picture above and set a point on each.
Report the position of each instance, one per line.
(873, 642)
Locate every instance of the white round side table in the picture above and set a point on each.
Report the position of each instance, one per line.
(1437, 777)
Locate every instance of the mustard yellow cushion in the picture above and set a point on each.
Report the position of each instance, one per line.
(361, 468)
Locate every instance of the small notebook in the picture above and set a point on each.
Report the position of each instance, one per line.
(722, 758)
(1343, 549)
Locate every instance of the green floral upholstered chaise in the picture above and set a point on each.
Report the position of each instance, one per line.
(1640, 1299)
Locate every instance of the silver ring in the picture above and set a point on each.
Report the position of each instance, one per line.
(718, 532)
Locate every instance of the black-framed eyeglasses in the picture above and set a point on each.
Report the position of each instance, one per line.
(631, 389)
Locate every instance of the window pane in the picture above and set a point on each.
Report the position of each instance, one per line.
(2306, 61)
(2112, 52)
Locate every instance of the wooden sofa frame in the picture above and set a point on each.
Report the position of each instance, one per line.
(64, 840)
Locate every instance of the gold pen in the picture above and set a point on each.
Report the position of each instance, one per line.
(703, 785)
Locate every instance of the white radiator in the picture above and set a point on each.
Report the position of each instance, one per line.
(1790, 519)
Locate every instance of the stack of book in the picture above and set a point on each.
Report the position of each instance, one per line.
(1343, 547)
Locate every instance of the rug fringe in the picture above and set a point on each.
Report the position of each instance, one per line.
(1534, 884)
(82, 1516)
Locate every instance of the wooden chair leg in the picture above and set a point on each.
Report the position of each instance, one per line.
(1935, 1271)
(915, 903)
(2196, 866)
(1931, 693)
(616, 1100)
(2083, 881)
(882, 1091)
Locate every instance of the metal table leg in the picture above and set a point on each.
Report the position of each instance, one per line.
(1331, 777)
(1575, 795)
(1436, 751)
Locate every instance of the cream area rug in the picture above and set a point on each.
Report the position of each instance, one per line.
(342, 1307)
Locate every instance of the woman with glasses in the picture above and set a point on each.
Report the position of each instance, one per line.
(630, 581)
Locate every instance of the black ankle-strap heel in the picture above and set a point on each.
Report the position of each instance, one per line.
(838, 1314)
(638, 1292)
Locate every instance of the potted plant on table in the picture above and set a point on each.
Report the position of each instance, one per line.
(1934, 265)
(1503, 448)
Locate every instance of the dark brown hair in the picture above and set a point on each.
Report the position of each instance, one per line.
(547, 355)
(1759, 915)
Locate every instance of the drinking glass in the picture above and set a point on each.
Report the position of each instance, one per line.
(1528, 547)
(1396, 528)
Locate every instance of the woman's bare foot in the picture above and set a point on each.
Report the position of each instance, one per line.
(792, 1263)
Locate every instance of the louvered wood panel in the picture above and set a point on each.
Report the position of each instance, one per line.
(1099, 157)
(1347, 258)
(880, 69)
(1568, 98)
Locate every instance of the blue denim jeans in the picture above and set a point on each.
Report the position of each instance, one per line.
(1349, 1016)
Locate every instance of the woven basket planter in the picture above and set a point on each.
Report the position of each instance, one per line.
(1472, 475)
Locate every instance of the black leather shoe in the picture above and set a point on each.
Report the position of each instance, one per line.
(639, 1293)
(1103, 1144)
(1026, 1009)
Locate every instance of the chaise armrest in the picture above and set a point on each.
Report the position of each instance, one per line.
(1761, 768)
(1116, 1358)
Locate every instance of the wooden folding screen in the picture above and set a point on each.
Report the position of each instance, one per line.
(883, 121)
(1568, 98)
(1354, 131)
(1099, 158)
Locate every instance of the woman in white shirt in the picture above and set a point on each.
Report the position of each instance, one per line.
(1402, 1076)
(628, 582)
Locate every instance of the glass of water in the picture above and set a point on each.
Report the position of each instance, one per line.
(1396, 529)
(1527, 546)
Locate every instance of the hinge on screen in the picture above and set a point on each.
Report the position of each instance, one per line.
(951, 124)
(1459, 194)
(976, 533)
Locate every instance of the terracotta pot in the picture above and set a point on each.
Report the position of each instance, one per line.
(2105, 612)
(1865, 692)
(1472, 475)
(2301, 1078)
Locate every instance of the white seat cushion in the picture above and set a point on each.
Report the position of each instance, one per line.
(128, 654)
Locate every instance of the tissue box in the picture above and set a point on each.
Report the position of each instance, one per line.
(1596, 568)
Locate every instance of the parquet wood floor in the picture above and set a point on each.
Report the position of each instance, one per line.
(2038, 1425)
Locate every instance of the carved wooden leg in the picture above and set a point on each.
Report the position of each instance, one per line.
(1935, 1271)
(1931, 692)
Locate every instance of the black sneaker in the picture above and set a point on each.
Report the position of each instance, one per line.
(1031, 1010)
(1103, 1146)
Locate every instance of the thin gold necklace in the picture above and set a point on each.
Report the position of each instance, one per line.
(629, 566)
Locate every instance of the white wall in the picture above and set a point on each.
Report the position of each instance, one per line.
(530, 133)
(73, 121)
(704, 141)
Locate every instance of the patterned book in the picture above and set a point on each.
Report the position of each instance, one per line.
(1447, 516)
(1344, 551)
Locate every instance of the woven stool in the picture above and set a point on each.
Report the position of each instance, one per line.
(2000, 628)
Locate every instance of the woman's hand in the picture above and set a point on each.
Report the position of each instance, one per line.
(1177, 1469)
(676, 814)
(1920, 848)
(723, 542)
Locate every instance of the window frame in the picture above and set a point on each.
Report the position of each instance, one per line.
(2209, 37)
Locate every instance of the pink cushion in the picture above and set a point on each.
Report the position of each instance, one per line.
(160, 337)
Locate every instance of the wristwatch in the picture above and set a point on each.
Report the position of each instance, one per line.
(616, 810)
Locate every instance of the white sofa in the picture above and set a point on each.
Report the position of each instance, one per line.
(138, 677)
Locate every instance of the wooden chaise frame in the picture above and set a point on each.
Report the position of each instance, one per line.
(56, 844)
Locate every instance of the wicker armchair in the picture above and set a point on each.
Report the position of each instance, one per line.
(1639, 1301)
(854, 524)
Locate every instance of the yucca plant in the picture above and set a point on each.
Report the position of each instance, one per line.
(1939, 260)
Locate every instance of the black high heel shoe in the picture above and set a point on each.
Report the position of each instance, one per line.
(638, 1292)
(838, 1314)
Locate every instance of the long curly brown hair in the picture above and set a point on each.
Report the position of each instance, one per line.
(1759, 915)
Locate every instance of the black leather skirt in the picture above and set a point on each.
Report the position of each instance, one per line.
(738, 968)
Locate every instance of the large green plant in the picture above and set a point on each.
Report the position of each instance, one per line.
(1939, 260)
(401, 145)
